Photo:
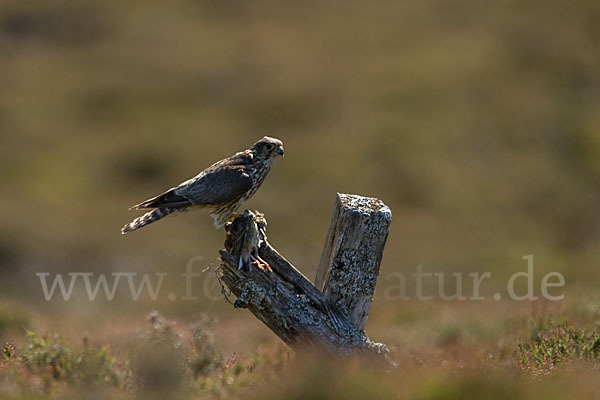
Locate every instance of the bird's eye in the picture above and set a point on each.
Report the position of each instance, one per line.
(270, 146)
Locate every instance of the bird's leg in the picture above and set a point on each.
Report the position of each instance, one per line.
(260, 263)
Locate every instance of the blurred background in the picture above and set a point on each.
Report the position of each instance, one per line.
(478, 123)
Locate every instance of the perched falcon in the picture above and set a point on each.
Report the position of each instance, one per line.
(221, 188)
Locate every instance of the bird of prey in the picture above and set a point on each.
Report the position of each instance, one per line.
(245, 236)
(252, 241)
(221, 188)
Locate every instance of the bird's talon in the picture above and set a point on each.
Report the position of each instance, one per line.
(261, 264)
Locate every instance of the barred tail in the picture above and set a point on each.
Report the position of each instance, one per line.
(146, 219)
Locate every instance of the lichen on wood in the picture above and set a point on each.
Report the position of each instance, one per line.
(288, 303)
(353, 251)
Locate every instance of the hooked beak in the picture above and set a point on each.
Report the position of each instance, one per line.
(279, 151)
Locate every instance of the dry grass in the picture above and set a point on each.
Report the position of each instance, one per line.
(537, 358)
(476, 122)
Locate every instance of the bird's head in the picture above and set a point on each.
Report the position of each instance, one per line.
(267, 148)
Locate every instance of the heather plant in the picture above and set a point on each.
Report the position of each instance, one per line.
(46, 365)
(559, 345)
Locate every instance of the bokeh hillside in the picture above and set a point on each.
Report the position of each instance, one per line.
(478, 123)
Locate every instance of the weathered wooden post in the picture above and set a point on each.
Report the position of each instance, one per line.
(332, 314)
(353, 251)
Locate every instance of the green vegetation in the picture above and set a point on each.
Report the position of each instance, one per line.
(163, 361)
(477, 122)
(563, 344)
(47, 365)
(168, 362)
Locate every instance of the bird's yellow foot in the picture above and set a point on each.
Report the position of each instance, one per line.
(260, 263)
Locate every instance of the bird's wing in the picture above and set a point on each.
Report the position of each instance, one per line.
(219, 185)
(170, 199)
(223, 181)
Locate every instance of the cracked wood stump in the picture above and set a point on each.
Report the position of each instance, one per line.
(331, 315)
